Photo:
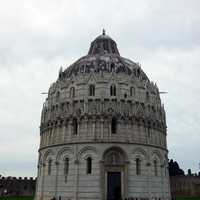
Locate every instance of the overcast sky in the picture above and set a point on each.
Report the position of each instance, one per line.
(38, 37)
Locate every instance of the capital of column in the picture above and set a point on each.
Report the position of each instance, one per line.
(148, 164)
(76, 161)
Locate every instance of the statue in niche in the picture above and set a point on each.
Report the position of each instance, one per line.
(126, 111)
(94, 111)
(55, 116)
(82, 69)
(140, 111)
(78, 112)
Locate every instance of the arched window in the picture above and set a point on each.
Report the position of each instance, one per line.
(89, 165)
(112, 67)
(113, 158)
(147, 96)
(114, 125)
(92, 90)
(138, 166)
(75, 126)
(148, 131)
(137, 72)
(82, 69)
(49, 167)
(66, 165)
(155, 168)
(72, 92)
(112, 90)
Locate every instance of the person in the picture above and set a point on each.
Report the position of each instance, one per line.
(59, 198)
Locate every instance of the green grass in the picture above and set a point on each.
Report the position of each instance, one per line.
(187, 198)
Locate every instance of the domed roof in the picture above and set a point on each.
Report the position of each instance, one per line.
(103, 44)
(103, 56)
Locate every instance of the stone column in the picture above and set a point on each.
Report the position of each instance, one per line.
(149, 179)
(42, 181)
(53, 130)
(70, 130)
(86, 105)
(57, 132)
(41, 139)
(38, 176)
(140, 124)
(56, 177)
(109, 121)
(133, 124)
(102, 120)
(86, 121)
(78, 124)
(76, 180)
(146, 133)
(102, 181)
(45, 137)
(49, 140)
(64, 130)
(163, 184)
(93, 129)
(127, 178)
(119, 129)
(155, 129)
(126, 129)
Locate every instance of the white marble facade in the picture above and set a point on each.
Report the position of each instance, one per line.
(103, 131)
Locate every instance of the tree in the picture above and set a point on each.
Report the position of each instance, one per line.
(174, 169)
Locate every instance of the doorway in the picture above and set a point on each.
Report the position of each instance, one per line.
(114, 185)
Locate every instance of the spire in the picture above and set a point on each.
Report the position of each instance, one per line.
(103, 32)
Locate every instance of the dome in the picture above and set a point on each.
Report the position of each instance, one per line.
(103, 131)
(103, 56)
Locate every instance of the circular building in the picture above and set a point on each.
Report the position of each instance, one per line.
(103, 131)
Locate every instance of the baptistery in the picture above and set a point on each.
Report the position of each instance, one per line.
(103, 131)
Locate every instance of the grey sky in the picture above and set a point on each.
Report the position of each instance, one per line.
(38, 37)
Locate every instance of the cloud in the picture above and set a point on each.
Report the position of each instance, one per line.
(38, 37)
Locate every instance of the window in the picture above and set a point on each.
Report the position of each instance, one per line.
(82, 69)
(147, 96)
(92, 90)
(113, 158)
(114, 125)
(148, 131)
(138, 163)
(72, 92)
(75, 126)
(112, 66)
(155, 168)
(112, 90)
(66, 165)
(49, 167)
(137, 72)
(89, 165)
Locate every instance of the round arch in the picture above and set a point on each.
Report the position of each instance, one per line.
(62, 150)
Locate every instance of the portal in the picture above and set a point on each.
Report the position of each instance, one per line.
(114, 185)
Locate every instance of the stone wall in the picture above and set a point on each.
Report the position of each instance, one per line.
(12, 186)
(185, 185)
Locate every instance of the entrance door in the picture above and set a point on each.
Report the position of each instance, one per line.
(114, 185)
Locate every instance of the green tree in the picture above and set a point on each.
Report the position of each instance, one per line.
(174, 169)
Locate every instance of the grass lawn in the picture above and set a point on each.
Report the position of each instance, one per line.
(187, 198)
